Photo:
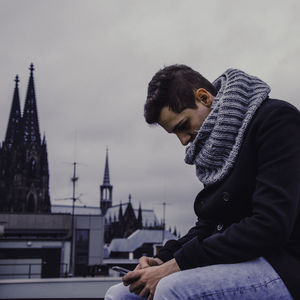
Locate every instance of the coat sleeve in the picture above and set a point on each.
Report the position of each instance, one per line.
(275, 201)
(201, 230)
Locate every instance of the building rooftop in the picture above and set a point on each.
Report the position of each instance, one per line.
(79, 210)
(138, 238)
(148, 216)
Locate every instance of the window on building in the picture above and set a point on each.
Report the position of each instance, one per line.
(82, 251)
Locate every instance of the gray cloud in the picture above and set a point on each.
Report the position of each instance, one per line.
(93, 62)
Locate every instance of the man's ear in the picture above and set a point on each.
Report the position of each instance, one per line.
(203, 96)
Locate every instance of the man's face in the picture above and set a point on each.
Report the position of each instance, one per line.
(186, 123)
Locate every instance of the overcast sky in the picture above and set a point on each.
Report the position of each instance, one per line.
(93, 62)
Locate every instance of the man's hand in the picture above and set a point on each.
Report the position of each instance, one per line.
(144, 281)
(145, 262)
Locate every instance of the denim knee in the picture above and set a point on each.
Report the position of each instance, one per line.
(167, 288)
(120, 292)
(114, 292)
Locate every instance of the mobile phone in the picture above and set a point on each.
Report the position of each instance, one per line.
(121, 270)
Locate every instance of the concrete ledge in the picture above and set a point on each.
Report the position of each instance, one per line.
(57, 288)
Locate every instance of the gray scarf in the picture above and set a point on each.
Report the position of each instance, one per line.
(217, 144)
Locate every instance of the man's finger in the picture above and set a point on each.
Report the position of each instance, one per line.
(136, 287)
(150, 297)
(145, 292)
(131, 277)
(143, 262)
(138, 290)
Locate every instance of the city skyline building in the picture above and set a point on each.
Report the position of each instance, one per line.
(106, 188)
(121, 220)
(24, 170)
(60, 239)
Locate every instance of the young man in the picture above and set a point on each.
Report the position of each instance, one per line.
(246, 149)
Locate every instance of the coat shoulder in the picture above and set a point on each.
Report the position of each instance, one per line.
(272, 105)
(273, 110)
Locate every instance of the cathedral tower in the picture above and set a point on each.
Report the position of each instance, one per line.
(106, 189)
(13, 135)
(24, 174)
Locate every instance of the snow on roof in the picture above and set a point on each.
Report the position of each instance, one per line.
(138, 238)
(79, 210)
(148, 216)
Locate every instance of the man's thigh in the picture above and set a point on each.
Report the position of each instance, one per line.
(255, 279)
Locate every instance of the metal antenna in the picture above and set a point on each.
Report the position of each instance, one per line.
(164, 219)
(74, 179)
(75, 145)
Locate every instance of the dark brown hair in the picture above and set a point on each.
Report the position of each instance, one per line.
(174, 86)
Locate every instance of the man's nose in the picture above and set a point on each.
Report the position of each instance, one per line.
(184, 138)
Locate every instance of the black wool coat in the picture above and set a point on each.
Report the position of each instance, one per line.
(255, 210)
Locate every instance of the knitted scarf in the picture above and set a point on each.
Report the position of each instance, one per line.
(217, 144)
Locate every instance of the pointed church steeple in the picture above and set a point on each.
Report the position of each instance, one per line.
(44, 157)
(140, 217)
(14, 127)
(106, 180)
(120, 213)
(106, 188)
(30, 114)
(24, 173)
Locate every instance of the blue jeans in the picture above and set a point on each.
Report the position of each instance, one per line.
(251, 280)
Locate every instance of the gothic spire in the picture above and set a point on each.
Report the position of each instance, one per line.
(106, 189)
(106, 180)
(30, 114)
(44, 139)
(140, 217)
(44, 157)
(13, 132)
(175, 231)
(120, 212)
(24, 174)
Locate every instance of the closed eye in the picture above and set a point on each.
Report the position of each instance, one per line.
(183, 126)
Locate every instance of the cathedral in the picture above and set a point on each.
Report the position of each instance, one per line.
(121, 220)
(78, 231)
(24, 173)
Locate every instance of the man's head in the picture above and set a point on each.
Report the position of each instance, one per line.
(179, 100)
